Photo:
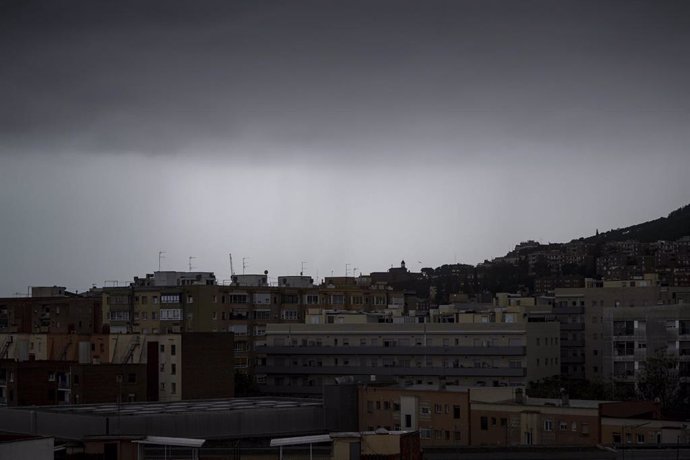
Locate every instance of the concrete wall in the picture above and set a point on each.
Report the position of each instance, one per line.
(27, 449)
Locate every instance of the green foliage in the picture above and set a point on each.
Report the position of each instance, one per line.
(660, 379)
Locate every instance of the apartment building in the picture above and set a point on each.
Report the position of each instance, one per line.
(183, 366)
(300, 358)
(244, 307)
(177, 366)
(580, 312)
(636, 333)
(50, 310)
(24, 383)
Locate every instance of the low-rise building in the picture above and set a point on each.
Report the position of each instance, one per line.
(441, 415)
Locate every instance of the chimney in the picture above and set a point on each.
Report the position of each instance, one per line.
(565, 399)
(519, 396)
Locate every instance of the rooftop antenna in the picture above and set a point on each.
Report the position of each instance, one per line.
(347, 268)
(244, 264)
(160, 256)
(354, 271)
(190, 262)
(301, 272)
(232, 270)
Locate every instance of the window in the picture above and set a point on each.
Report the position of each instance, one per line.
(173, 349)
(484, 423)
(289, 315)
(262, 315)
(162, 347)
(173, 387)
(438, 408)
(238, 298)
(456, 412)
(337, 299)
(548, 425)
(173, 368)
(563, 426)
(408, 421)
(170, 298)
(312, 299)
(131, 378)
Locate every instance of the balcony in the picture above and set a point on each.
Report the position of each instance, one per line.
(573, 359)
(395, 350)
(394, 371)
(578, 310)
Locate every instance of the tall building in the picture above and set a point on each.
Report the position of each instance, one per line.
(300, 358)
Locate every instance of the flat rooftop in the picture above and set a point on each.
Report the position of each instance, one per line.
(237, 418)
(176, 407)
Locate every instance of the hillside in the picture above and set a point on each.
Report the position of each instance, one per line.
(670, 228)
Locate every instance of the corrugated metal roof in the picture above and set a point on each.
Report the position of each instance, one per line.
(166, 441)
(299, 440)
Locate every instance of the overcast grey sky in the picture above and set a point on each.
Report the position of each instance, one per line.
(329, 132)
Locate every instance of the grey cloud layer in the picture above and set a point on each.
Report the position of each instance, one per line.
(252, 79)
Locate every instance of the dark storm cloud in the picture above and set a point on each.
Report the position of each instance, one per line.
(251, 78)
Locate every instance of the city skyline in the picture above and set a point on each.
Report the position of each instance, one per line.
(331, 133)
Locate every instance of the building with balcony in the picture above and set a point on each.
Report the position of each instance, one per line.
(634, 334)
(300, 358)
(245, 307)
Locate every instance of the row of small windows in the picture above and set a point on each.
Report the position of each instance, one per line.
(309, 299)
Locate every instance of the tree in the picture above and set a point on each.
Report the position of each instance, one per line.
(659, 378)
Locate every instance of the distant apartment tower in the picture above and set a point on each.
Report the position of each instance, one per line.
(638, 333)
